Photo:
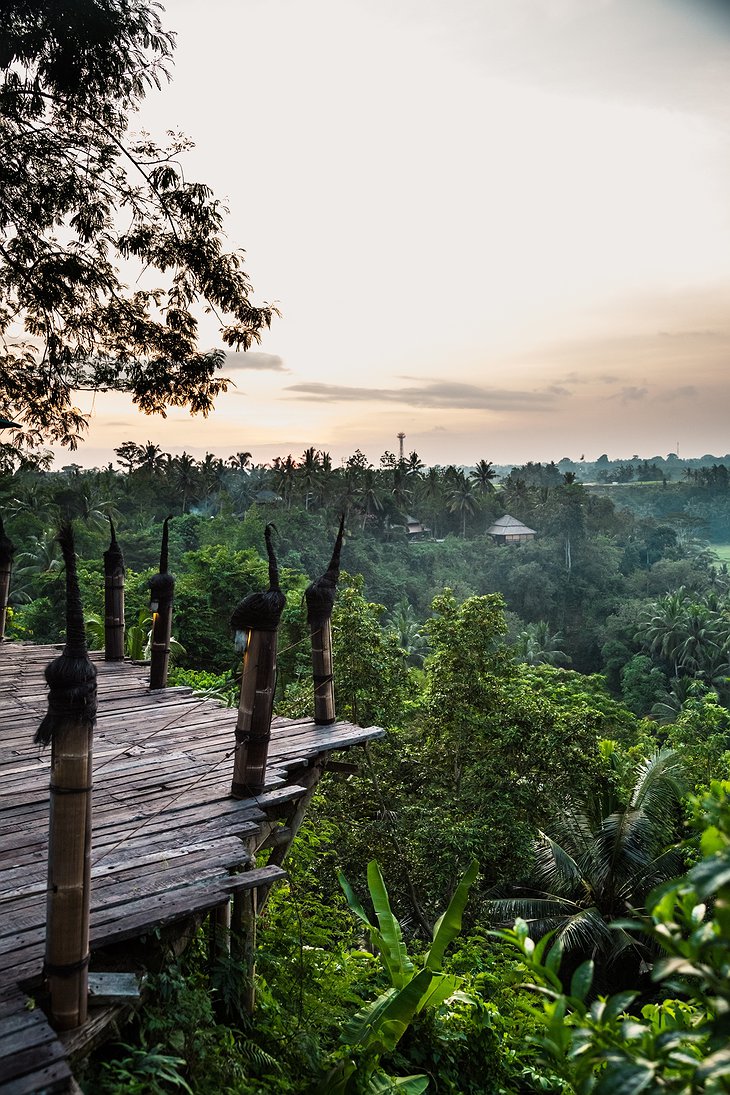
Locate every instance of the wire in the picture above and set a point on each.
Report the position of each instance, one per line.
(189, 787)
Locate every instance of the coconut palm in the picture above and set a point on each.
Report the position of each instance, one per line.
(240, 461)
(182, 473)
(369, 497)
(537, 645)
(664, 630)
(151, 459)
(599, 861)
(284, 477)
(462, 499)
(404, 625)
(308, 474)
(483, 477)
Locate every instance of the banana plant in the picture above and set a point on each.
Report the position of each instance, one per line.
(137, 638)
(415, 987)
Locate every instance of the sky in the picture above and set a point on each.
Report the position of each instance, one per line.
(502, 228)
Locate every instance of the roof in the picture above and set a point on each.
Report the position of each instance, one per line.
(509, 526)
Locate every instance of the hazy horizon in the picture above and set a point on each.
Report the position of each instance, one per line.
(501, 229)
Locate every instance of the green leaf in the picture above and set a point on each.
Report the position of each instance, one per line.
(582, 979)
(352, 900)
(554, 956)
(384, 1022)
(441, 988)
(380, 1084)
(394, 952)
(617, 1004)
(710, 874)
(626, 1078)
(448, 925)
(715, 1066)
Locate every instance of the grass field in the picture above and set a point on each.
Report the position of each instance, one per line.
(722, 551)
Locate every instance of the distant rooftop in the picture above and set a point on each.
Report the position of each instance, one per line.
(509, 526)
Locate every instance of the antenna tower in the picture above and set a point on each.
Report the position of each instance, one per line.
(401, 439)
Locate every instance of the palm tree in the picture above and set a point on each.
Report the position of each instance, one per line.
(42, 556)
(405, 627)
(285, 477)
(483, 477)
(369, 495)
(537, 645)
(462, 500)
(664, 630)
(183, 476)
(600, 860)
(240, 461)
(308, 474)
(151, 459)
(414, 465)
(430, 494)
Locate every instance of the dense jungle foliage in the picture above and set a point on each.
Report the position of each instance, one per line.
(557, 712)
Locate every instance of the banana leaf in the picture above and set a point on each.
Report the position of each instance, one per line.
(448, 925)
(394, 951)
(383, 1023)
(381, 1084)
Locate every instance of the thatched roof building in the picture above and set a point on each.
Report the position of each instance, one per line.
(508, 530)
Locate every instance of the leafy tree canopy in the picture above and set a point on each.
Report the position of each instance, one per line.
(84, 205)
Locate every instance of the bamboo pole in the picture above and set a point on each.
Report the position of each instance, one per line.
(243, 932)
(113, 600)
(256, 621)
(7, 550)
(162, 591)
(219, 933)
(68, 726)
(322, 674)
(320, 597)
(256, 704)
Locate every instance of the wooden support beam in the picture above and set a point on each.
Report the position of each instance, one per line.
(309, 781)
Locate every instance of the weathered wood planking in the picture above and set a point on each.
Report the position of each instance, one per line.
(168, 840)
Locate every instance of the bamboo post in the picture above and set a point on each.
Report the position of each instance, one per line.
(243, 933)
(7, 550)
(68, 726)
(162, 591)
(320, 597)
(219, 932)
(255, 622)
(113, 600)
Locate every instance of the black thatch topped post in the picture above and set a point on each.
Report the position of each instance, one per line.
(7, 550)
(113, 600)
(69, 727)
(162, 590)
(320, 596)
(256, 621)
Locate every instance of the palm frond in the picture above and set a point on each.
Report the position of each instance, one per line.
(587, 932)
(625, 844)
(555, 868)
(659, 784)
(573, 830)
(668, 864)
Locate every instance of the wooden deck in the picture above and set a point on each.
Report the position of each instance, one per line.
(168, 840)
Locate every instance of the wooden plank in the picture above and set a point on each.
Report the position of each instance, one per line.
(29, 1063)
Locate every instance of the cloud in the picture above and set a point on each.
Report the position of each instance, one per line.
(631, 394)
(686, 391)
(703, 335)
(439, 394)
(587, 378)
(255, 361)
